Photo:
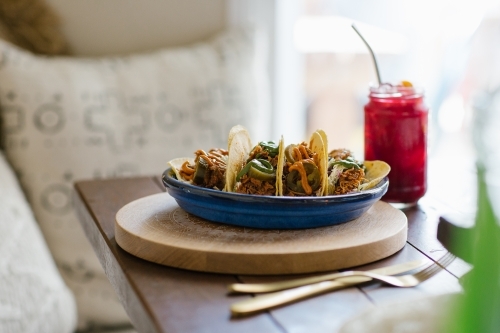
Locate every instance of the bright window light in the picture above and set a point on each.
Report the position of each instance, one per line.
(334, 34)
(452, 113)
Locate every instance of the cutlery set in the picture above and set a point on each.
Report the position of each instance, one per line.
(284, 292)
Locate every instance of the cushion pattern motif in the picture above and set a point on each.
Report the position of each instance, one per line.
(66, 119)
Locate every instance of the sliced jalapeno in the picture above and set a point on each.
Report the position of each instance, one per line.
(259, 169)
(200, 170)
(289, 153)
(345, 163)
(294, 179)
(271, 147)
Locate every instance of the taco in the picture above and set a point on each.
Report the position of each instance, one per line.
(348, 175)
(207, 169)
(259, 172)
(217, 168)
(375, 171)
(239, 146)
(304, 168)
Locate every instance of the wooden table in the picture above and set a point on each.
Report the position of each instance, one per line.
(164, 299)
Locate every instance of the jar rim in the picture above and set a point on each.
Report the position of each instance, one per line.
(387, 90)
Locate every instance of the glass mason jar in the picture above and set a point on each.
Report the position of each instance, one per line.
(396, 132)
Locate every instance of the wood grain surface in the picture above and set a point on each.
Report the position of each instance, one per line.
(163, 299)
(156, 229)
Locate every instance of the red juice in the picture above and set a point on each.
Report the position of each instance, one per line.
(396, 132)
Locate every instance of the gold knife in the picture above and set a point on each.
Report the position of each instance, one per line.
(271, 300)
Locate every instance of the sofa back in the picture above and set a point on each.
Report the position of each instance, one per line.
(105, 27)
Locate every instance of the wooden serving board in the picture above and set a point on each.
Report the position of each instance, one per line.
(156, 229)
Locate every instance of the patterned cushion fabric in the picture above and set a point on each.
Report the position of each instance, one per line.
(33, 296)
(66, 119)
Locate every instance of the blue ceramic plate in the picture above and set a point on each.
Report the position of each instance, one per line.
(269, 212)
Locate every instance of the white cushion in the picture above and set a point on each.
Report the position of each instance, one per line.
(66, 119)
(33, 296)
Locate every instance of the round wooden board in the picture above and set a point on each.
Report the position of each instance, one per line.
(156, 229)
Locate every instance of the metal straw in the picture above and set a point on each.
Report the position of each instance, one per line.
(371, 52)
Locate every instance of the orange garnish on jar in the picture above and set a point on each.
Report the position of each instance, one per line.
(406, 84)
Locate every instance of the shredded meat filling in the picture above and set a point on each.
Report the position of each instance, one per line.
(214, 178)
(340, 154)
(349, 181)
(215, 173)
(248, 185)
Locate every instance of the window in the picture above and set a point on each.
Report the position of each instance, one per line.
(321, 70)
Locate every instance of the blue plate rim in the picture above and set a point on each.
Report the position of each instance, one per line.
(169, 181)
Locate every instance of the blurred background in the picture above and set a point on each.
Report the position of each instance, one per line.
(430, 43)
(318, 68)
(446, 47)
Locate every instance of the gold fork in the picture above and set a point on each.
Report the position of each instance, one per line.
(408, 280)
(271, 300)
(259, 288)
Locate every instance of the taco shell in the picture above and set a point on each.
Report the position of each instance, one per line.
(279, 171)
(176, 165)
(239, 146)
(318, 144)
(375, 171)
(325, 141)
